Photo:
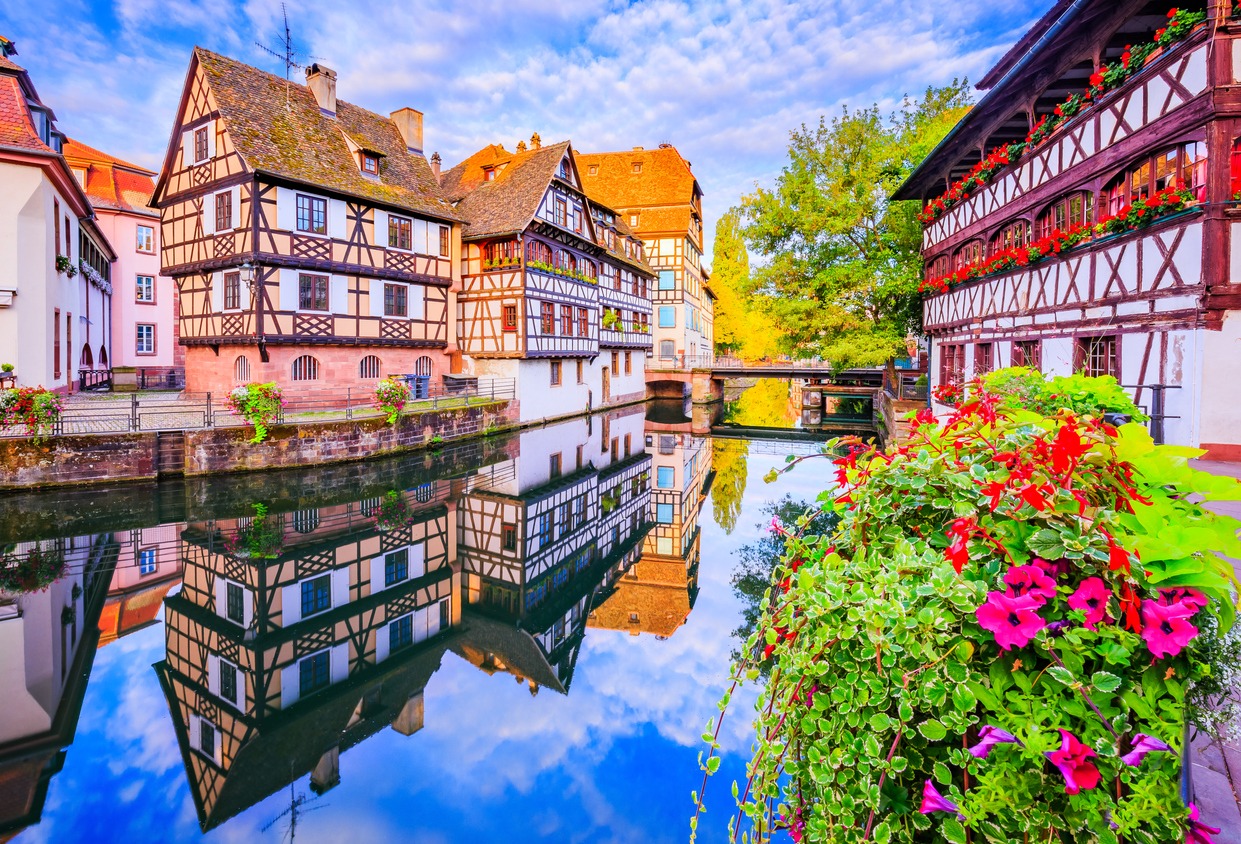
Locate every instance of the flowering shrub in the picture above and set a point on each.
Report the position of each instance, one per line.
(34, 407)
(1181, 22)
(1003, 634)
(391, 396)
(1020, 388)
(393, 512)
(949, 393)
(34, 571)
(563, 271)
(259, 404)
(261, 539)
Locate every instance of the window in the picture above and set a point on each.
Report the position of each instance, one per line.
(312, 292)
(444, 243)
(547, 314)
(316, 595)
(637, 167)
(306, 368)
(1095, 356)
(663, 514)
(628, 363)
(583, 322)
(234, 600)
(370, 164)
(555, 373)
(401, 633)
(489, 174)
(369, 367)
(665, 477)
(232, 291)
(509, 318)
(314, 673)
(970, 253)
(581, 373)
(628, 444)
(560, 213)
(400, 232)
(1028, 353)
(566, 319)
(667, 317)
(503, 253)
(1011, 235)
(615, 362)
(396, 300)
(508, 537)
(553, 465)
(306, 521)
(145, 239)
(667, 280)
(593, 170)
(1075, 209)
(538, 252)
(144, 339)
(311, 214)
(146, 561)
(667, 349)
(984, 358)
(241, 370)
(144, 288)
(228, 681)
(1185, 163)
(223, 211)
(951, 363)
(56, 222)
(633, 220)
(200, 144)
(206, 738)
(938, 268)
(396, 566)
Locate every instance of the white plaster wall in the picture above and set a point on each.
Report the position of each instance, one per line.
(1221, 385)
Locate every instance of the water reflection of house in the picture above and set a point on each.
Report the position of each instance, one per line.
(148, 567)
(284, 653)
(655, 595)
(681, 466)
(47, 646)
(536, 550)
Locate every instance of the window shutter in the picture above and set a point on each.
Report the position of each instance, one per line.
(213, 674)
(381, 228)
(340, 587)
(340, 662)
(336, 218)
(247, 607)
(377, 297)
(217, 291)
(288, 290)
(209, 214)
(417, 560)
(382, 643)
(291, 604)
(420, 237)
(236, 209)
(338, 294)
(433, 619)
(187, 148)
(286, 209)
(377, 574)
(417, 301)
(193, 731)
(221, 601)
(210, 139)
(290, 685)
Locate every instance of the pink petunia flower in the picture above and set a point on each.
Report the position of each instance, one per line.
(989, 737)
(1073, 761)
(1030, 580)
(933, 801)
(1013, 620)
(1198, 833)
(1053, 569)
(1142, 745)
(1190, 597)
(1166, 628)
(1091, 598)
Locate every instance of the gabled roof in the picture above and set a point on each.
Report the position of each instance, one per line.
(112, 182)
(278, 130)
(615, 251)
(16, 130)
(507, 203)
(664, 178)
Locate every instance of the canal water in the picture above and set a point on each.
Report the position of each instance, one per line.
(515, 639)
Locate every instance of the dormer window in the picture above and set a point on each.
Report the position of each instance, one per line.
(489, 174)
(637, 167)
(79, 173)
(564, 169)
(370, 164)
(594, 170)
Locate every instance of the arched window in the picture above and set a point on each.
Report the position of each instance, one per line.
(499, 254)
(588, 267)
(88, 358)
(305, 521)
(938, 268)
(241, 370)
(1184, 164)
(537, 250)
(306, 368)
(566, 260)
(369, 367)
(970, 253)
(1012, 234)
(1070, 210)
(423, 366)
(103, 357)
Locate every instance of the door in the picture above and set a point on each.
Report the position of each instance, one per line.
(607, 385)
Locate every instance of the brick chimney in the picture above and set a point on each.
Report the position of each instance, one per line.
(435, 165)
(322, 83)
(535, 141)
(409, 123)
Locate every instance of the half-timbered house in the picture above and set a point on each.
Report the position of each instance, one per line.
(536, 257)
(1151, 296)
(308, 236)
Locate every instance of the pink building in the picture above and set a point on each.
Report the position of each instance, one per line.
(144, 303)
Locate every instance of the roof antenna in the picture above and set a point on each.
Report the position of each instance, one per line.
(286, 54)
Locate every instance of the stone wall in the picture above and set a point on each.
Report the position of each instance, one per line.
(76, 460)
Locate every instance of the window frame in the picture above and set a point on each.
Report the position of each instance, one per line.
(310, 595)
(445, 243)
(396, 570)
(508, 317)
(556, 375)
(396, 300)
(202, 144)
(149, 247)
(314, 291)
(315, 207)
(149, 287)
(400, 230)
(547, 318)
(232, 291)
(566, 320)
(138, 336)
(224, 202)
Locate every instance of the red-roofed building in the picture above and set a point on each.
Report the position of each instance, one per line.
(55, 262)
(144, 309)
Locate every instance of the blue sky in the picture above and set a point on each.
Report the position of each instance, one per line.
(724, 80)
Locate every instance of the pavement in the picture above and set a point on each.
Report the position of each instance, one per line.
(1216, 770)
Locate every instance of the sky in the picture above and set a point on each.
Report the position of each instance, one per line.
(723, 80)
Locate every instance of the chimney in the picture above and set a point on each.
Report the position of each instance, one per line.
(322, 83)
(521, 146)
(435, 165)
(409, 123)
(535, 141)
(638, 149)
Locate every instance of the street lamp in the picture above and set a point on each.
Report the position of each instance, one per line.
(247, 278)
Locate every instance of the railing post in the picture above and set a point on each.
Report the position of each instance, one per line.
(348, 403)
(1157, 398)
(208, 416)
(134, 424)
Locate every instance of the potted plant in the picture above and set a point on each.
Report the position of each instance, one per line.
(36, 408)
(64, 265)
(258, 404)
(32, 572)
(261, 539)
(6, 368)
(391, 397)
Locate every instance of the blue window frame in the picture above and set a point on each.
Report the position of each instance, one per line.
(663, 514)
(665, 477)
(396, 566)
(401, 633)
(146, 561)
(314, 673)
(667, 280)
(316, 595)
(667, 316)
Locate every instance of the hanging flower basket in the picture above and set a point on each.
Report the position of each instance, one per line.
(31, 572)
(262, 539)
(393, 512)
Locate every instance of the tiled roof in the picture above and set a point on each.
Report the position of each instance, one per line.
(16, 130)
(664, 178)
(278, 129)
(110, 181)
(506, 204)
(6, 47)
(616, 251)
(676, 219)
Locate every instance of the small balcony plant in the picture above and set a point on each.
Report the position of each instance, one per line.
(65, 266)
(393, 512)
(261, 539)
(33, 571)
(259, 405)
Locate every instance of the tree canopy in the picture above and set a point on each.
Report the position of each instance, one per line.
(740, 328)
(840, 262)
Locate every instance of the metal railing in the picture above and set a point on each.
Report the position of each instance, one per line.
(907, 386)
(139, 413)
(161, 377)
(94, 379)
(1157, 407)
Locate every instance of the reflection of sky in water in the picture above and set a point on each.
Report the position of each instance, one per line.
(615, 760)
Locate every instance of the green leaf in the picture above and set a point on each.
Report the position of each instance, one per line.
(1105, 681)
(953, 831)
(932, 730)
(1062, 674)
(882, 833)
(942, 775)
(713, 764)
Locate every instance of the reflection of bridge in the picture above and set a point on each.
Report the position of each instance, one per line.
(702, 377)
(798, 435)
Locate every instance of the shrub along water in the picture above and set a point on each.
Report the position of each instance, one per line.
(1007, 632)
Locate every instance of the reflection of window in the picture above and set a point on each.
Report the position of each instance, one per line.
(206, 738)
(396, 566)
(305, 521)
(401, 633)
(228, 681)
(553, 467)
(314, 672)
(234, 603)
(146, 561)
(663, 514)
(316, 595)
(508, 537)
(424, 492)
(665, 477)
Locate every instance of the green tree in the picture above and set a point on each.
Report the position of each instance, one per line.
(728, 459)
(841, 263)
(740, 328)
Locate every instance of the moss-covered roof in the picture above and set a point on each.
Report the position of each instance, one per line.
(507, 203)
